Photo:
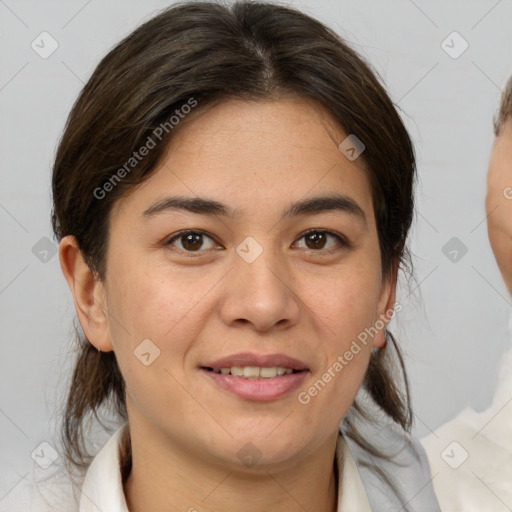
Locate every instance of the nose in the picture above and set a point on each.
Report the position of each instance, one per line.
(261, 294)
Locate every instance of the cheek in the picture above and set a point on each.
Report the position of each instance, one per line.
(152, 320)
(346, 302)
(345, 306)
(153, 304)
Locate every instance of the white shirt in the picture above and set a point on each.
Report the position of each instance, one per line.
(361, 489)
(471, 455)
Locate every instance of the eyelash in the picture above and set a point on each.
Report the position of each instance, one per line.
(342, 241)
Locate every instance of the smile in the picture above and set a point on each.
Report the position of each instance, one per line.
(254, 372)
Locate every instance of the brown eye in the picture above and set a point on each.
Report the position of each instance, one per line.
(316, 240)
(190, 241)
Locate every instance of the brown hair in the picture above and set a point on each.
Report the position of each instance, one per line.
(211, 52)
(505, 111)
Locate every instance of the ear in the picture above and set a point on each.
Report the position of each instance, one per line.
(88, 294)
(386, 306)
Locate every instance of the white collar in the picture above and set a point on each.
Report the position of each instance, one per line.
(103, 489)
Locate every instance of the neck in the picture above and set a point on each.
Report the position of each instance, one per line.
(169, 480)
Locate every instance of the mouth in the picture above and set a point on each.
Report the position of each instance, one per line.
(246, 363)
(256, 377)
(254, 372)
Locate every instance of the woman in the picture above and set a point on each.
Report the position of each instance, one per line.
(232, 195)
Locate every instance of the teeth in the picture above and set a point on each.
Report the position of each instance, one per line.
(268, 373)
(252, 372)
(255, 372)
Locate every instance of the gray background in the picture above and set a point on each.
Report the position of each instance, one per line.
(453, 327)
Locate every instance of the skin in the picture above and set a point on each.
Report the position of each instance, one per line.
(295, 298)
(498, 203)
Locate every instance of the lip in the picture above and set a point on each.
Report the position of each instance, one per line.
(261, 389)
(257, 390)
(260, 360)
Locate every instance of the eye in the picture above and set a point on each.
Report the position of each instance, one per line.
(190, 241)
(316, 240)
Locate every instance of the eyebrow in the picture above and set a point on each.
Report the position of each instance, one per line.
(203, 206)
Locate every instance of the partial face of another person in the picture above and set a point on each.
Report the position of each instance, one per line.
(247, 282)
(499, 201)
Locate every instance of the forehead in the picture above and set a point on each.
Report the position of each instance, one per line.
(262, 117)
(253, 154)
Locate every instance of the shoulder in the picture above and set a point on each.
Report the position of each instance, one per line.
(53, 487)
(40, 492)
(471, 455)
(394, 468)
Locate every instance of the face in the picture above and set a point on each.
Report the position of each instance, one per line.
(499, 200)
(501, 156)
(245, 283)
